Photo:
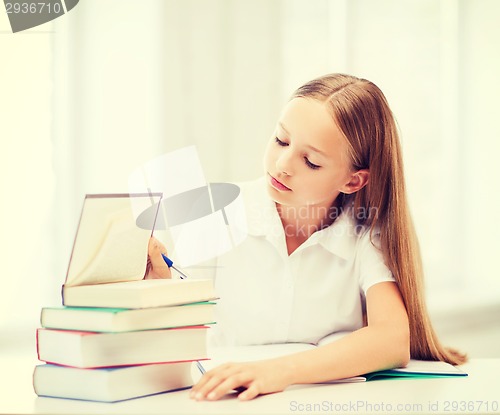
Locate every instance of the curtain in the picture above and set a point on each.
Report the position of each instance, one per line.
(128, 81)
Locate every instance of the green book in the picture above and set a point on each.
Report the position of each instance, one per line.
(116, 320)
(418, 369)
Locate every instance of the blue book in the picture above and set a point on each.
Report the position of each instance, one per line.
(110, 384)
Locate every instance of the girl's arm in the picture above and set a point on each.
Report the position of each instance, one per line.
(384, 343)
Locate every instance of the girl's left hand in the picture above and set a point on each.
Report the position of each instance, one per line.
(261, 377)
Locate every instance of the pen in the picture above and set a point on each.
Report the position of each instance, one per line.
(170, 264)
(200, 367)
(202, 370)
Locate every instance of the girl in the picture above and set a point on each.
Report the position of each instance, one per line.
(336, 249)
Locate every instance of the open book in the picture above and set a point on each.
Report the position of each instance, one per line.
(416, 368)
(109, 244)
(109, 257)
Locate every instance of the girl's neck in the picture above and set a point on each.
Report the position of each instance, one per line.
(300, 222)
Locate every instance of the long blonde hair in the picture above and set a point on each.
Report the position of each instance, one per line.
(361, 111)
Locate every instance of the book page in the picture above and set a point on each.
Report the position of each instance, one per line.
(109, 246)
(429, 367)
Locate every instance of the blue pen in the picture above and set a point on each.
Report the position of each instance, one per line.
(202, 370)
(170, 264)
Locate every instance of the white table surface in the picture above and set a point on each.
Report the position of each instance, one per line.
(477, 393)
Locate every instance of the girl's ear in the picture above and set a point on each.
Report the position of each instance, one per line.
(358, 180)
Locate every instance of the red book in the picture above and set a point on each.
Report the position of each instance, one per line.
(85, 349)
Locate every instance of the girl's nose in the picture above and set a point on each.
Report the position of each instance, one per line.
(284, 163)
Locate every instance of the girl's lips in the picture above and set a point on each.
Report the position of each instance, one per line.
(278, 185)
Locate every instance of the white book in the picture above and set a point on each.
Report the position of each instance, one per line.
(139, 294)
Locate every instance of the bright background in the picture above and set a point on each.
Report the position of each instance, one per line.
(114, 83)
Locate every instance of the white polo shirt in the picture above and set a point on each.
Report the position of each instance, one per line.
(268, 296)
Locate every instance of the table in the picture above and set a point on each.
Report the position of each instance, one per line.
(477, 393)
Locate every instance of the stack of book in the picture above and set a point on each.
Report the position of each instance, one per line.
(119, 336)
(112, 354)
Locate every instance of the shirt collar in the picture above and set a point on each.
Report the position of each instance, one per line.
(341, 237)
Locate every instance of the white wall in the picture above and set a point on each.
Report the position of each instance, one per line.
(109, 86)
(26, 175)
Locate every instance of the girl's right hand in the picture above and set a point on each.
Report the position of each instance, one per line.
(156, 267)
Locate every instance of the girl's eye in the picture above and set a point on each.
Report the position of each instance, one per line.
(280, 143)
(308, 163)
(311, 165)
